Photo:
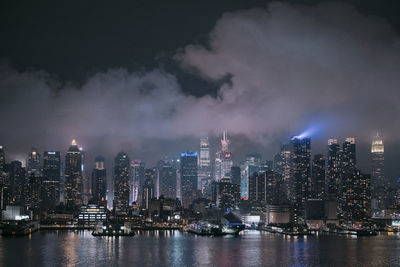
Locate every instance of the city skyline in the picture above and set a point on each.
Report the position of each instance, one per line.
(200, 133)
(176, 99)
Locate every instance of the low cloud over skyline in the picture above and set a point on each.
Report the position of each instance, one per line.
(283, 68)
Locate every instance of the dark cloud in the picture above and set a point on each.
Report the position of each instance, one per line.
(283, 68)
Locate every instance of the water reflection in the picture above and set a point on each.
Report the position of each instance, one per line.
(173, 248)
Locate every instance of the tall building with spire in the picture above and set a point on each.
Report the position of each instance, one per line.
(73, 176)
(378, 182)
(223, 159)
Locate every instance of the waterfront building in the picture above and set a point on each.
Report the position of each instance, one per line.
(92, 214)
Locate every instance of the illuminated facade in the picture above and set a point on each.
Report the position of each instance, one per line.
(167, 176)
(33, 163)
(121, 184)
(223, 159)
(99, 181)
(204, 173)
(283, 165)
(333, 169)
(379, 184)
(228, 194)
(148, 187)
(51, 179)
(318, 177)
(188, 175)
(349, 180)
(137, 180)
(91, 214)
(2, 159)
(73, 176)
(301, 160)
(250, 166)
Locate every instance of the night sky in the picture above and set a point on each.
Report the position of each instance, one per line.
(150, 78)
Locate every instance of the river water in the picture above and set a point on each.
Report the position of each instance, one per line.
(173, 248)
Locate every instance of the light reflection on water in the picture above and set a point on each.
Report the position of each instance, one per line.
(173, 248)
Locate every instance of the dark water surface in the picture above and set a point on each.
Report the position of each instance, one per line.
(173, 248)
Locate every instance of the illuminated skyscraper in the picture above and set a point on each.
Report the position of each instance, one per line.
(250, 166)
(188, 172)
(318, 177)
(350, 177)
(333, 169)
(167, 176)
(86, 182)
(99, 181)
(150, 176)
(228, 194)
(204, 173)
(301, 159)
(265, 187)
(137, 180)
(283, 166)
(121, 184)
(33, 163)
(223, 159)
(379, 184)
(4, 181)
(51, 179)
(2, 159)
(17, 178)
(73, 176)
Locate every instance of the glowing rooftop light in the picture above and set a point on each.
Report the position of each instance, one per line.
(73, 142)
(188, 154)
(307, 133)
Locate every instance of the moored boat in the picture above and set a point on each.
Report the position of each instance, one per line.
(113, 229)
(20, 227)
